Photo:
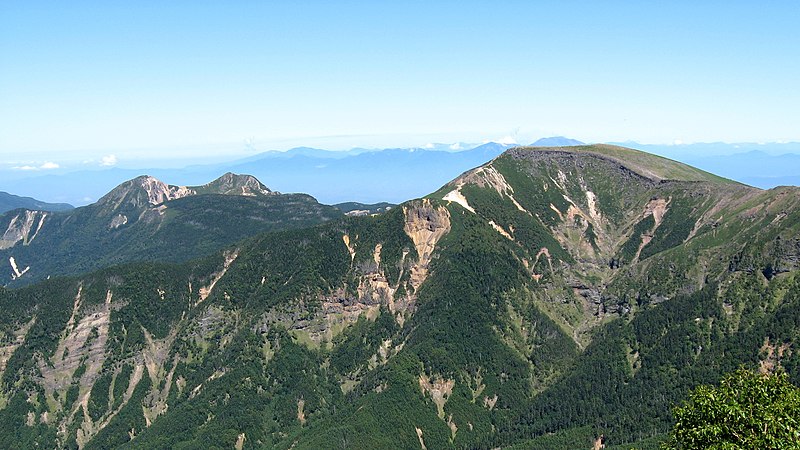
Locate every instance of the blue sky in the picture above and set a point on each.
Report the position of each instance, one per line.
(84, 80)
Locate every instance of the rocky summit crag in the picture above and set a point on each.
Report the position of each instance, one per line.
(543, 300)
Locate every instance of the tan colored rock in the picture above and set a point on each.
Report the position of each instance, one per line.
(240, 440)
(301, 415)
(20, 227)
(425, 225)
(490, 402)
(205, 291)
(439, 390)
(419, 435)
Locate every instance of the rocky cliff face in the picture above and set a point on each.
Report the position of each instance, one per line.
(143, 192)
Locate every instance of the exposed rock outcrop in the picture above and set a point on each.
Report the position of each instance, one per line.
(142, 192)
(439, 389)
(23, 227)
(425, 224)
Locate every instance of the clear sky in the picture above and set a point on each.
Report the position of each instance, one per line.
(167, 78)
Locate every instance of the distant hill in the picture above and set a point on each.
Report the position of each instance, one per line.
(556, 141)
(10, 201)
(363, 209)
(144, 219)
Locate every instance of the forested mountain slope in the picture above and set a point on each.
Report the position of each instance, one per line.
(542, 300)
(10, 201)
(145, 219)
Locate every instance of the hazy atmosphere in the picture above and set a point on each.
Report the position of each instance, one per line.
(107, 82)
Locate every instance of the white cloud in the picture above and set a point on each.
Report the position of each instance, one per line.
(456, 146)
(507, 140)
(47, 165)
(108, 160)
(677, 142)
(429, 145)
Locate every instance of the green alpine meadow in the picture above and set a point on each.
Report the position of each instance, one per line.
(553, 298)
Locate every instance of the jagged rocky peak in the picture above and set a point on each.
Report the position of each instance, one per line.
(145, 191)
(235, 184)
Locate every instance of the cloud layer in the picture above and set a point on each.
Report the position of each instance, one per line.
(47, 165)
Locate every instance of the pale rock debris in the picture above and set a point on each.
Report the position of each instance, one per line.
(350, 248)
(301, 416)
(456, 196)
(419, 435)
(118, 221)
(439, 390)
(240, 440)
(490, 402)
(16, 273)
(205, 291)
(501, 230)
(425, 225)
(20, 227)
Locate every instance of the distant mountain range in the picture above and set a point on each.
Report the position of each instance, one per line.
(763, 165)
(10, 201)
(396, 174)
(754, 167)
(360, 175)
(556, 141)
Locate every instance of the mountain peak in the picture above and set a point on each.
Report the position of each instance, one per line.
(235, 184)
(654, 167)
(556, 141)
(11, 201)
(145, 190)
